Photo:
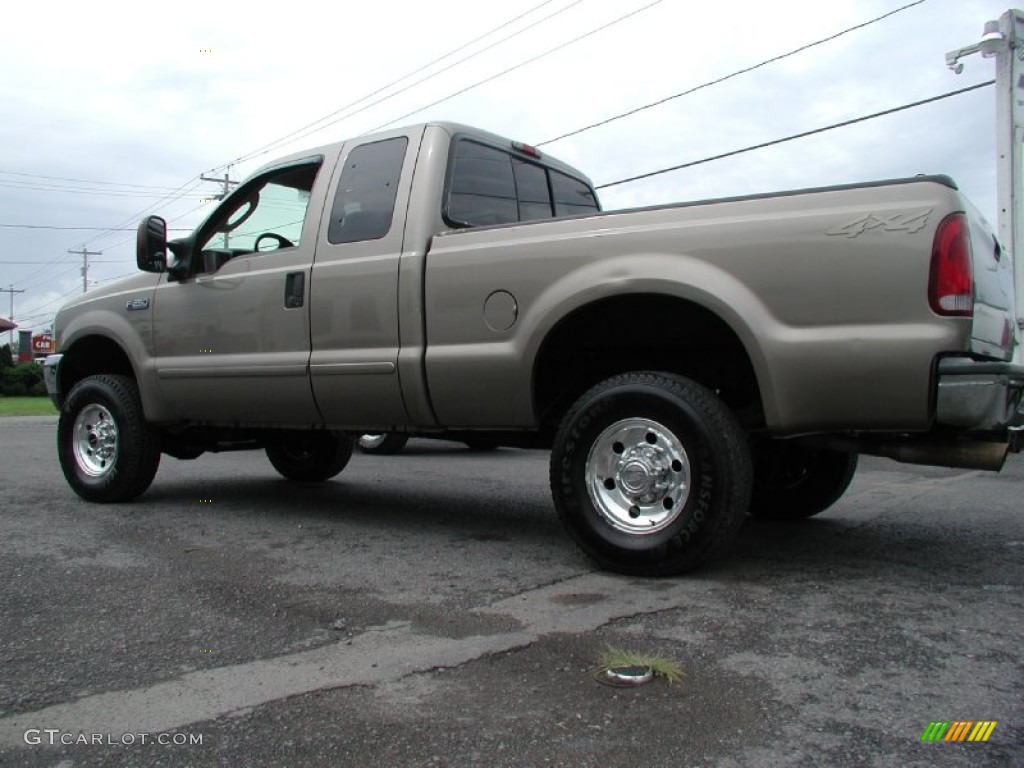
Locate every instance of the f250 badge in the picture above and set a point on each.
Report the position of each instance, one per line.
(136, 304)
(900, 222)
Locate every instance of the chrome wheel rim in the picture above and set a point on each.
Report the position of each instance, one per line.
(95, 440)
(638, 476)
(372, 440)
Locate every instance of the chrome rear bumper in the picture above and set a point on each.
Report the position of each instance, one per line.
(979, 396)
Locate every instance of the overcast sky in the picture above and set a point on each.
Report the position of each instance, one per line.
(145, 97)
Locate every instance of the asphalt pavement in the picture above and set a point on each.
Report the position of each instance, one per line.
(426, 609)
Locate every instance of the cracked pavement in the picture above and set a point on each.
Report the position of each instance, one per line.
(427, 609)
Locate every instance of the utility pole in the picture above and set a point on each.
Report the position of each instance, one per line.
(228, 183)
(11, 291)
(85, 264)
(1003, 40)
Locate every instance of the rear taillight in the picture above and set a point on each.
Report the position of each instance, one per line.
(950, 285)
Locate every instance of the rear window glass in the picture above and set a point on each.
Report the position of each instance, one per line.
(364, 203)
(571, 195)
(492, 186)
(483, 187)
(532, 191)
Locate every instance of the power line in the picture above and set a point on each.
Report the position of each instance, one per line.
(36, 312)
(226, 181)
(802, 135)
(72, 229)
(85, 181)
(116, 277)
(169, 198)
(26, 187)
(30, 281)
(737, 73)
(305, 129)
(94, 261)
(50, 276)
(180, 191)
(43, 273)
(172, 229)
(519, 65)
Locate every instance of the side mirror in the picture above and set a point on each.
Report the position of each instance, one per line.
(151, 245)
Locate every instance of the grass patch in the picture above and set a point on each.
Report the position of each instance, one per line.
(662, 667)
(26, 406)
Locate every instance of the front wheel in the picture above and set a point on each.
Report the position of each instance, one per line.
(107, 451)
(651, 474)
(310, 457)
(793, 482)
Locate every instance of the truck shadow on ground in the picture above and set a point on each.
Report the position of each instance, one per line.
(833, 544)
(368, 505)
(839, 548)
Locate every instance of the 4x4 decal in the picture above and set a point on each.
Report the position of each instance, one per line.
(900, 222)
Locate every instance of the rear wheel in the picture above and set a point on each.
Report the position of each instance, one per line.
(792, 482)
(311, 456)
(383, 443)
(650, 474)
(107, 451)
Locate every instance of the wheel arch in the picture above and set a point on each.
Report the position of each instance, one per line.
(91, 355)
(94, 351)
(662, 332)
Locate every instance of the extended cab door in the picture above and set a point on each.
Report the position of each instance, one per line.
(354, 292)
(232, 337)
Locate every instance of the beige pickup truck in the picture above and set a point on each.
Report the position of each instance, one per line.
(686, 364)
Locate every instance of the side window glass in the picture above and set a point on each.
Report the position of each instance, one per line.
(571, 195)
(364, 204)
(266, 214)
(483, 188)
(531, 191)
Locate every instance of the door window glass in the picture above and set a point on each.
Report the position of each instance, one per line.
(269, 210)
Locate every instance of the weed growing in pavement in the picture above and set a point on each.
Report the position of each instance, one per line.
(614, 658)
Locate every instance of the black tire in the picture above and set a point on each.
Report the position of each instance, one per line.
(107, 450)
(639, 432)
(382, 443)
(793, 482)
(311, 457)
